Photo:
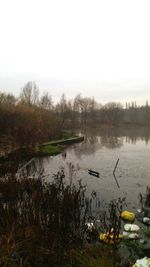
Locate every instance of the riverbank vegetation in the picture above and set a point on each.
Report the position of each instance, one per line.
(52, 223)
(40, 223)
(31, 119)
(45, 224)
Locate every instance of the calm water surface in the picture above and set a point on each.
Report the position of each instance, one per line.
(100, 151)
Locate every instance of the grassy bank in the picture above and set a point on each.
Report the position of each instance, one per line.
(48, 148)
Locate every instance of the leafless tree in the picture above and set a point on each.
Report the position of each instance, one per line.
(46, 101)
(30, 94)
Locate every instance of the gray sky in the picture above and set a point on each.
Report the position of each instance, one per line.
(98, 48)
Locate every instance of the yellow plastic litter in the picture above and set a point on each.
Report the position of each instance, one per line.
(109, 238)
(129, 216)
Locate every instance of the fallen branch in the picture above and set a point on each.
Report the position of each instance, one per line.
(116, 180)
(25, 165)
(114, 173)
(94, 173)
(116, 166)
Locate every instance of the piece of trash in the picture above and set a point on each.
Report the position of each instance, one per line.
(110, 237)
(128, 216)
(90, 226)
(129, 235)
(125, 234)
(94, 173)
(139, 210)
(133, 236)
(142, 219)
(131, 227)
(146, 220)
(145, 262)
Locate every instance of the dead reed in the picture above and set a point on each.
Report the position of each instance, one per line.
(40, 223)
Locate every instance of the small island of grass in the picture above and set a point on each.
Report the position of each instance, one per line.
(49, 150)
(57, 146)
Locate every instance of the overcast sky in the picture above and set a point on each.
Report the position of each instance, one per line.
(98, 48)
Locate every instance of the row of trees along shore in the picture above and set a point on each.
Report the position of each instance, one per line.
(30, 118)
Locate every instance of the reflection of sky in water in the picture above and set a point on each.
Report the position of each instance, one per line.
(100, 153)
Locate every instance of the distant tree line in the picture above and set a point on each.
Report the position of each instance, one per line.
(30, 118)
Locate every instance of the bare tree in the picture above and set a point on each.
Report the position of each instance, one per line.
(61, 110)
(30, 94)
(86, 107)
(112, 113)
(7, 100)
(46, 101)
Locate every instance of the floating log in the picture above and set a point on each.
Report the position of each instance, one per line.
(94, 173)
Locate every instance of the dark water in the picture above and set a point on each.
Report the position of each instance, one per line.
(100, 151)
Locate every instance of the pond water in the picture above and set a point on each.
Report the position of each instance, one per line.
(100, 151)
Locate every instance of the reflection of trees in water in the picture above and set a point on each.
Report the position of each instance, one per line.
(111, 141)
(134, 135)
(104, 137)
(111, 138)
(94, 141)
(130, 135)
(89, 146)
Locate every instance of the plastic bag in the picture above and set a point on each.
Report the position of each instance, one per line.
(129, 216)
(110, 237)
(145, 262)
